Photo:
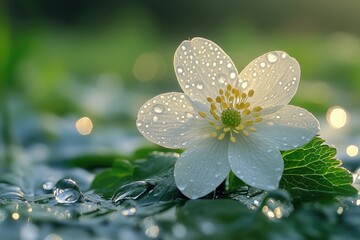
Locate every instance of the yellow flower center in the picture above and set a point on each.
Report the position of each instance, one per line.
(229, 109)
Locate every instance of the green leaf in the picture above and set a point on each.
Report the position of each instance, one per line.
(312, 173)
(156, 170)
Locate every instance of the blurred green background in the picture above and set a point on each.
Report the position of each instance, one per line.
(64, 60)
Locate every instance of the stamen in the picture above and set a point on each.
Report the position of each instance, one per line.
(214, 134)
(240, 127)
(202, 114)
(213, 107)
(209, 99)
(258, 119)
(218, 99)
(221, 92)
(246, 111)
(247, 105)
(243, 95)
(246, 133)
(228, 87)
(213, 113)
(256, 114)
(253, 129)
(232, 139)
(221, 136)
(249, 123)
(251, 93)
(226, 130)
(257, 109)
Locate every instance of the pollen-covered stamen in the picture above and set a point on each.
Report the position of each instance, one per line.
(228, 110)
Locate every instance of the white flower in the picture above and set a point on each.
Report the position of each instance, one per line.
(228, 121)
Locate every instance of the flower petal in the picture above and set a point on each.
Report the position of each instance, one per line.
(274, 77)
(288, 128)
(257, 163)
(202, 68)
(171, 120)
(202, 168)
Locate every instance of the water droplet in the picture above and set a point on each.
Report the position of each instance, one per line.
(199, 85)
(283, 55)
(221, 78)
(181, 186)
(262, 64)
(189, 115)
(232, 75)
(254, 74)
(183, 47)
(229, 65)
(158, 108)
(138, 124)
(128, 208)
(180, 70)
(66, 191)
(277, 169)
(155, 118)
(272, 57)
(48, 185)
(244, 85)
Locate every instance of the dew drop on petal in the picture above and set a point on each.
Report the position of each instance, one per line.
(244, 85)
(181, 186)
(272, 57)
(283, 55)
(180, 70)
(262, 64)
(229, 65)
(155, 118)
(232, 75)
(158, 108)
(189, 115)
(199, 85)
(221, 79)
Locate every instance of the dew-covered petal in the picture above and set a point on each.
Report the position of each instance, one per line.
(274, 77)
(202, 68)
(202, 168)
(257, 163)
(171, 120)
(288, 128)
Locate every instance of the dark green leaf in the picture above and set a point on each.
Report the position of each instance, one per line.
(312, 173)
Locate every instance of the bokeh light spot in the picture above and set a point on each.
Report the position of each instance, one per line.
(15, 216)
(336, 117)
(352, 150)
(84, 126)
(148, 66)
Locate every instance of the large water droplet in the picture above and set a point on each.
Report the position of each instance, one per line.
(66, 191)
(272, 57)
(158, 108)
